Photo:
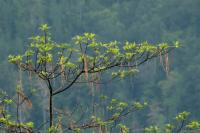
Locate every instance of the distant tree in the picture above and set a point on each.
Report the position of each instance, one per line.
(61, 65)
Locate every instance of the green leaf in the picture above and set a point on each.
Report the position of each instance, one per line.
(44, 27)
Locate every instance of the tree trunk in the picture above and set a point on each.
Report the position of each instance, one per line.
(51, 108)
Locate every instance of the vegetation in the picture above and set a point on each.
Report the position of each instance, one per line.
(52, 62)
(169, 83)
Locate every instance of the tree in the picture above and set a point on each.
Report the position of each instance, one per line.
(82, 60)
(118, 110)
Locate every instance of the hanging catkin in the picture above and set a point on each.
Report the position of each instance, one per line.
(167, 64)
(85, 67)
(62, 61)
(30, 79)
(25, 99)
(22, 96)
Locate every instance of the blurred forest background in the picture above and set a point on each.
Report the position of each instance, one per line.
(133, 20)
